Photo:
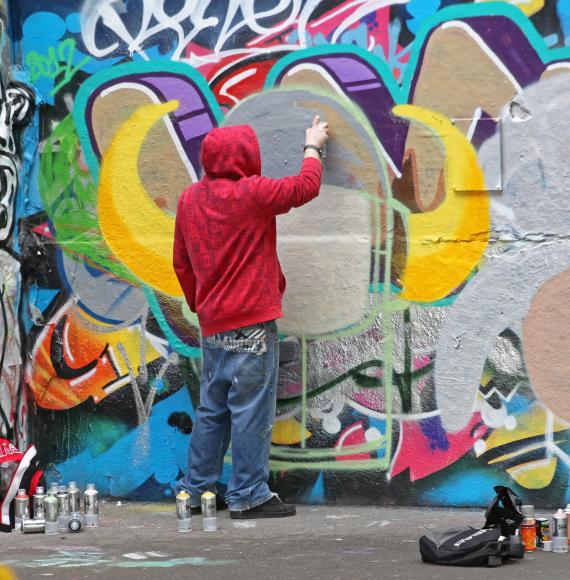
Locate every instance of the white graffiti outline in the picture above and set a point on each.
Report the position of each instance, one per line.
(109, 14)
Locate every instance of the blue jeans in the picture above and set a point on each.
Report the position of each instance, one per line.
(238, 402)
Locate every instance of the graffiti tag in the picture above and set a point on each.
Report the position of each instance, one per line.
(58, 62)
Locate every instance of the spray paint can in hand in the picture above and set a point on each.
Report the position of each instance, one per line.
(21, 508)
(183, 512)
(91, 503)
(38, 503)
(209, 519)
(50, 509)
(74, 498)
(560, 532)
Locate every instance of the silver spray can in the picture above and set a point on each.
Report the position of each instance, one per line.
(183, 512)
(33, 526)
(51, 517)
(91, 503)
(54, 488)
(63, 507)
(38, 503)
(560, 532)
(21, 508)
(75, 522)
(209, 519)
(74, 498)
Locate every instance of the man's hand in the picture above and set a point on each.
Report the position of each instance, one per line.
(318, 133)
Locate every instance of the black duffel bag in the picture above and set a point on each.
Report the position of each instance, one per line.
(479, 547)
(465, 547)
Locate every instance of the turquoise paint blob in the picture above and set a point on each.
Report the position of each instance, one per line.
(466, 489)
(151, 449)
(316, 496)
(419, 10)
(518, 405)
(73, 22)
(41, 29)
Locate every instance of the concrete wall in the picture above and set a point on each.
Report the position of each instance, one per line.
(425, 338)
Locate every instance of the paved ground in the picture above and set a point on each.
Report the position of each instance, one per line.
(138, 540)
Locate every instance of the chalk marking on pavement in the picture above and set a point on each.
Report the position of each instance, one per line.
(244, 524)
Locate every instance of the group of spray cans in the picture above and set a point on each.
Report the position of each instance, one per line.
(549, 534)
(184, 512)
(58, 510)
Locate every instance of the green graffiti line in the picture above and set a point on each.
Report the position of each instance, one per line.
(69, 196)
(58, 62)
(402, 381)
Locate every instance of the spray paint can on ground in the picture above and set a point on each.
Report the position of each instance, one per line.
(209, 519)
(51, 516)
(183, 512)
(567, 512)
(560, 532)
(21, 508)
(38, 503)
(63, 507)
(528, 534)
(33, 526)
(528, 528)
(75, 523)
(91, 504)
(74, 498)
(542, 531)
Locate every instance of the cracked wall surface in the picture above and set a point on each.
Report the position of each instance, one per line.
(423, 343)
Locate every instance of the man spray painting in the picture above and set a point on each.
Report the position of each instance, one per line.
(225, 258)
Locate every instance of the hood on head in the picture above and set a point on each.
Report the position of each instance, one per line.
(231, 152)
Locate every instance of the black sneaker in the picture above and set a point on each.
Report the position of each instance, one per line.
(220, 505)
(272, 508)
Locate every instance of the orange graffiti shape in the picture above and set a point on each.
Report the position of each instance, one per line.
(72, 362)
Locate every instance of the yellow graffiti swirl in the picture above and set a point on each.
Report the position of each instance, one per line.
(447, 243)
(138, 232)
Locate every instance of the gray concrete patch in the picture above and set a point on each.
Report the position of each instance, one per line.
(139, 540)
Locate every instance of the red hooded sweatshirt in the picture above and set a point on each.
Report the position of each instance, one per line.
(225, 253)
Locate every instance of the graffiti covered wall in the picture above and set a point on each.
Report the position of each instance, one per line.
(423, 351)
(16, 106)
